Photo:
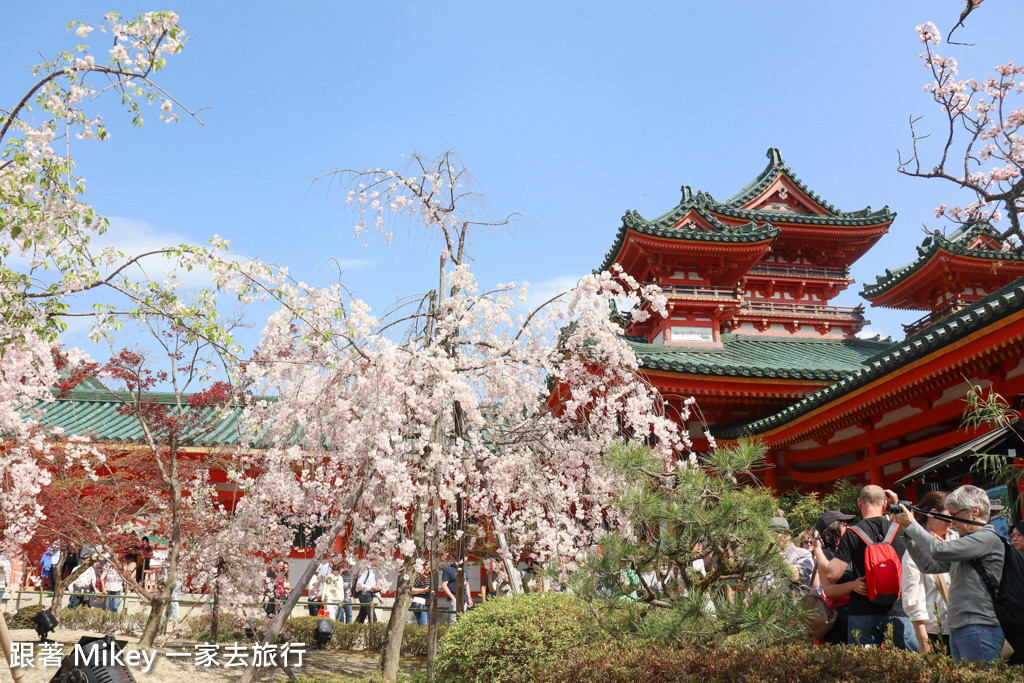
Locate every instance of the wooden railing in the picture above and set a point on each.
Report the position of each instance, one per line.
(933, 317)
(786, 308)
(700, 291)
(799, 271)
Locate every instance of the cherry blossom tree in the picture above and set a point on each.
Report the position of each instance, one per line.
(48, 265)
(382, 429)
(50, 268)
(981, 147)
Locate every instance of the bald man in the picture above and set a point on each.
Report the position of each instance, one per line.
(868, 620)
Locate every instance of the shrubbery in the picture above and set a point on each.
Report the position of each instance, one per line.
(102, 621)
(515, 638)
(358, 636)
(610, 663)
(24, 616)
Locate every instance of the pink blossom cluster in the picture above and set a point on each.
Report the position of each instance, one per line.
(512, 412)
(984, 148)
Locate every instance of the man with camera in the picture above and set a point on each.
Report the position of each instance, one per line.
(975, 634)
(870, 615)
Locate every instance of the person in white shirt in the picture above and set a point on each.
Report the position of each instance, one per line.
(84, 583)
(5, 574)
(366, 592)
(333, 589)
(112, 584)
(922, 593)
(314, 594)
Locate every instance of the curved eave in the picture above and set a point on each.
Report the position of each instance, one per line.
(754, 238)
(891, 289)
(864, 219)
(727, 370)
(1008, 300)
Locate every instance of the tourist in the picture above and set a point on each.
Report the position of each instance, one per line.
(367, 591)
(869, 619)
(332, 589)
(799, 560)
(830, 527)
(447, 595)
(925, 593)
(495, 581)
(84, 583)
(110, 583)
(1017, 536)
(530, 577)
(5, 572)
(346, 578)
(421, 594)
(314, 594)
(974, 631)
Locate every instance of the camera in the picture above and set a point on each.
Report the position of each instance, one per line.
(895, 509)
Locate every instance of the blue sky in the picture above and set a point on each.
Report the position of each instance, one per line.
(570, 113)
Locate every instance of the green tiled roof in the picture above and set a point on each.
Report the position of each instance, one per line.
(95, 414)
(956, 243)
(661, 227)
(747, 355)
(708, 208)
(997, 305)
(776, 167)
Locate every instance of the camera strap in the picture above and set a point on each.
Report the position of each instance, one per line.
(947, 518)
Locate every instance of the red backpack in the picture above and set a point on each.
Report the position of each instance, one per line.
(882, 567)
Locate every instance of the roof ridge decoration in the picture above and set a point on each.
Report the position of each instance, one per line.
(775, 168)
(1000, 303)
(956, 243)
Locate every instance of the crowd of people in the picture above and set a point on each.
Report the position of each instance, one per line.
(933, 597)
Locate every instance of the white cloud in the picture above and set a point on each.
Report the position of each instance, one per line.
(543, 291)
(134, 237)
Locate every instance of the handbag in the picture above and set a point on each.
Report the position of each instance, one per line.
(818, 617)
(323, 613)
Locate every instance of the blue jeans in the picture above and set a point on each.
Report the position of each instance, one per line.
(872, 631)
(347, 611)
(112, 602)
(423, 616)
(976, 643)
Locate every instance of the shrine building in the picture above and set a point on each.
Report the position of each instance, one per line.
(753, 335)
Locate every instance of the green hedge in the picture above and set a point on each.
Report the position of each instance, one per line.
(794, 664)
(358, 636)
(23, 618)
(514, 638)
(103, 621)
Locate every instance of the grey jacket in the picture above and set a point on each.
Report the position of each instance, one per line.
(969, 601)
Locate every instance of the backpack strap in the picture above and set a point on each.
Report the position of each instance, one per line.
(861, 535)
(890, 535)
(993, 590)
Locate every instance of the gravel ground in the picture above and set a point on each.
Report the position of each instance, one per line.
(183, 670)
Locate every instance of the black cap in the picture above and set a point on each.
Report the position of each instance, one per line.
(827, 518)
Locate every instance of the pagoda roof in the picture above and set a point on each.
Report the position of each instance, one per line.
(1009, 299)
(748, 355)
(958, 243)
(735, 206)
(664, 227)
(98, 415)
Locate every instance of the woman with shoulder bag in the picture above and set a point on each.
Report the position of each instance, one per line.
(926, 596)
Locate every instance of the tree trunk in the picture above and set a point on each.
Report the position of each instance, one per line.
(435, 575)
(58, 584)
(278, 624)
(5, 644)
(391, 654)
(157, 610)
(215, 617)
